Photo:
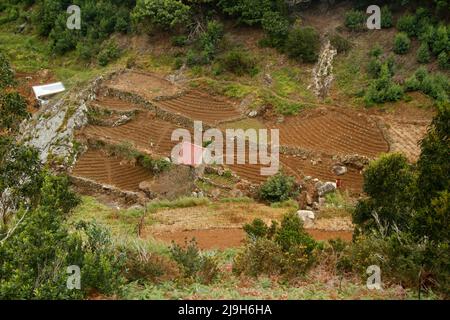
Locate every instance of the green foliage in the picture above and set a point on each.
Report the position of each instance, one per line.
(179, 41)
(202, 268)
(250, 12)
(402, 43)
(387, 20)
(383, 89)
(278, 188)
(340, 43)
(303, 44)
(444, 60)
(276, 27)
(210, 39)
(6, 72)
(286, 250)
(162, 14)
(13, 109)
(238, 63)
(441, 42)
(436, 85)
(423, 54)
(355, 20)
(109, 53)
(407, 24)
(387, 183)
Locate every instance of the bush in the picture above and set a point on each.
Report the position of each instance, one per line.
(444, 60)
(276, 27)
(278, 188)
(6, 72)
(440, 40)
(355, 20)
(250, 12)
(287, 250)
(179, 41)
(423, 54)
(387, 20)
(303, 44)
(238, 62)
(108, 54)
(407, 24)
(383, 89)
(402, 43)
(341, 44)
(13, 109)
(195, 266)
(210, 39)
(162, 14)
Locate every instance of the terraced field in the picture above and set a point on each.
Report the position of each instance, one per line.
(114, 104)
(333, 133)
(145, 131)
(97, 166)
(200, 106)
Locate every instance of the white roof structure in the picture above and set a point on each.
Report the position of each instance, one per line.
(48, 89)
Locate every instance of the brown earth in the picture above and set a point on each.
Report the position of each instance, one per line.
(97, 166)
(200, 106)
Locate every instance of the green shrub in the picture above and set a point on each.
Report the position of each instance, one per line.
(162, 14)
(278, 188)
(179, 41)
(195, 266)
(108, 54)
(303, 44)
(407, 24)
(440, 40)
(6, 72)
(13, 109)
(276, 28)
(402, 43)
(239, 63)
(355, 20)
(423, 54)
(286, 250)
(387, 20)
(383, 89)
(210, 39)
(341, 44)
(444, 60)
(412, 84)
(249, 12)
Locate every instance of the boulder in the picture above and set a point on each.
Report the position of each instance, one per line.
(253, 114)
(307, 216)
(327, 187)
(339, 170)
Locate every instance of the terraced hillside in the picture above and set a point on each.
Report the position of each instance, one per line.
(101, 168)
(200, 106)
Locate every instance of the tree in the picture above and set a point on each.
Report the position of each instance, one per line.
(163, 14)
(388, 182)
(303, 44)
(386, 17)
(354, 20)
(383, 88)
(423, 54)
(440, 42)
(13, 109)
(401, 43)
(276, 27)
(250, 12)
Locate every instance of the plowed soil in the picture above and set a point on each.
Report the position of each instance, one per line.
(145, 131)
(200, 106)
(333, 132)
(147, 85)
(97, 166)
(114, 104)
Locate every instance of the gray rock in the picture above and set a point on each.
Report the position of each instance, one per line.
(327, 187)
(339, 170)
(307, 216)
(253, 114)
